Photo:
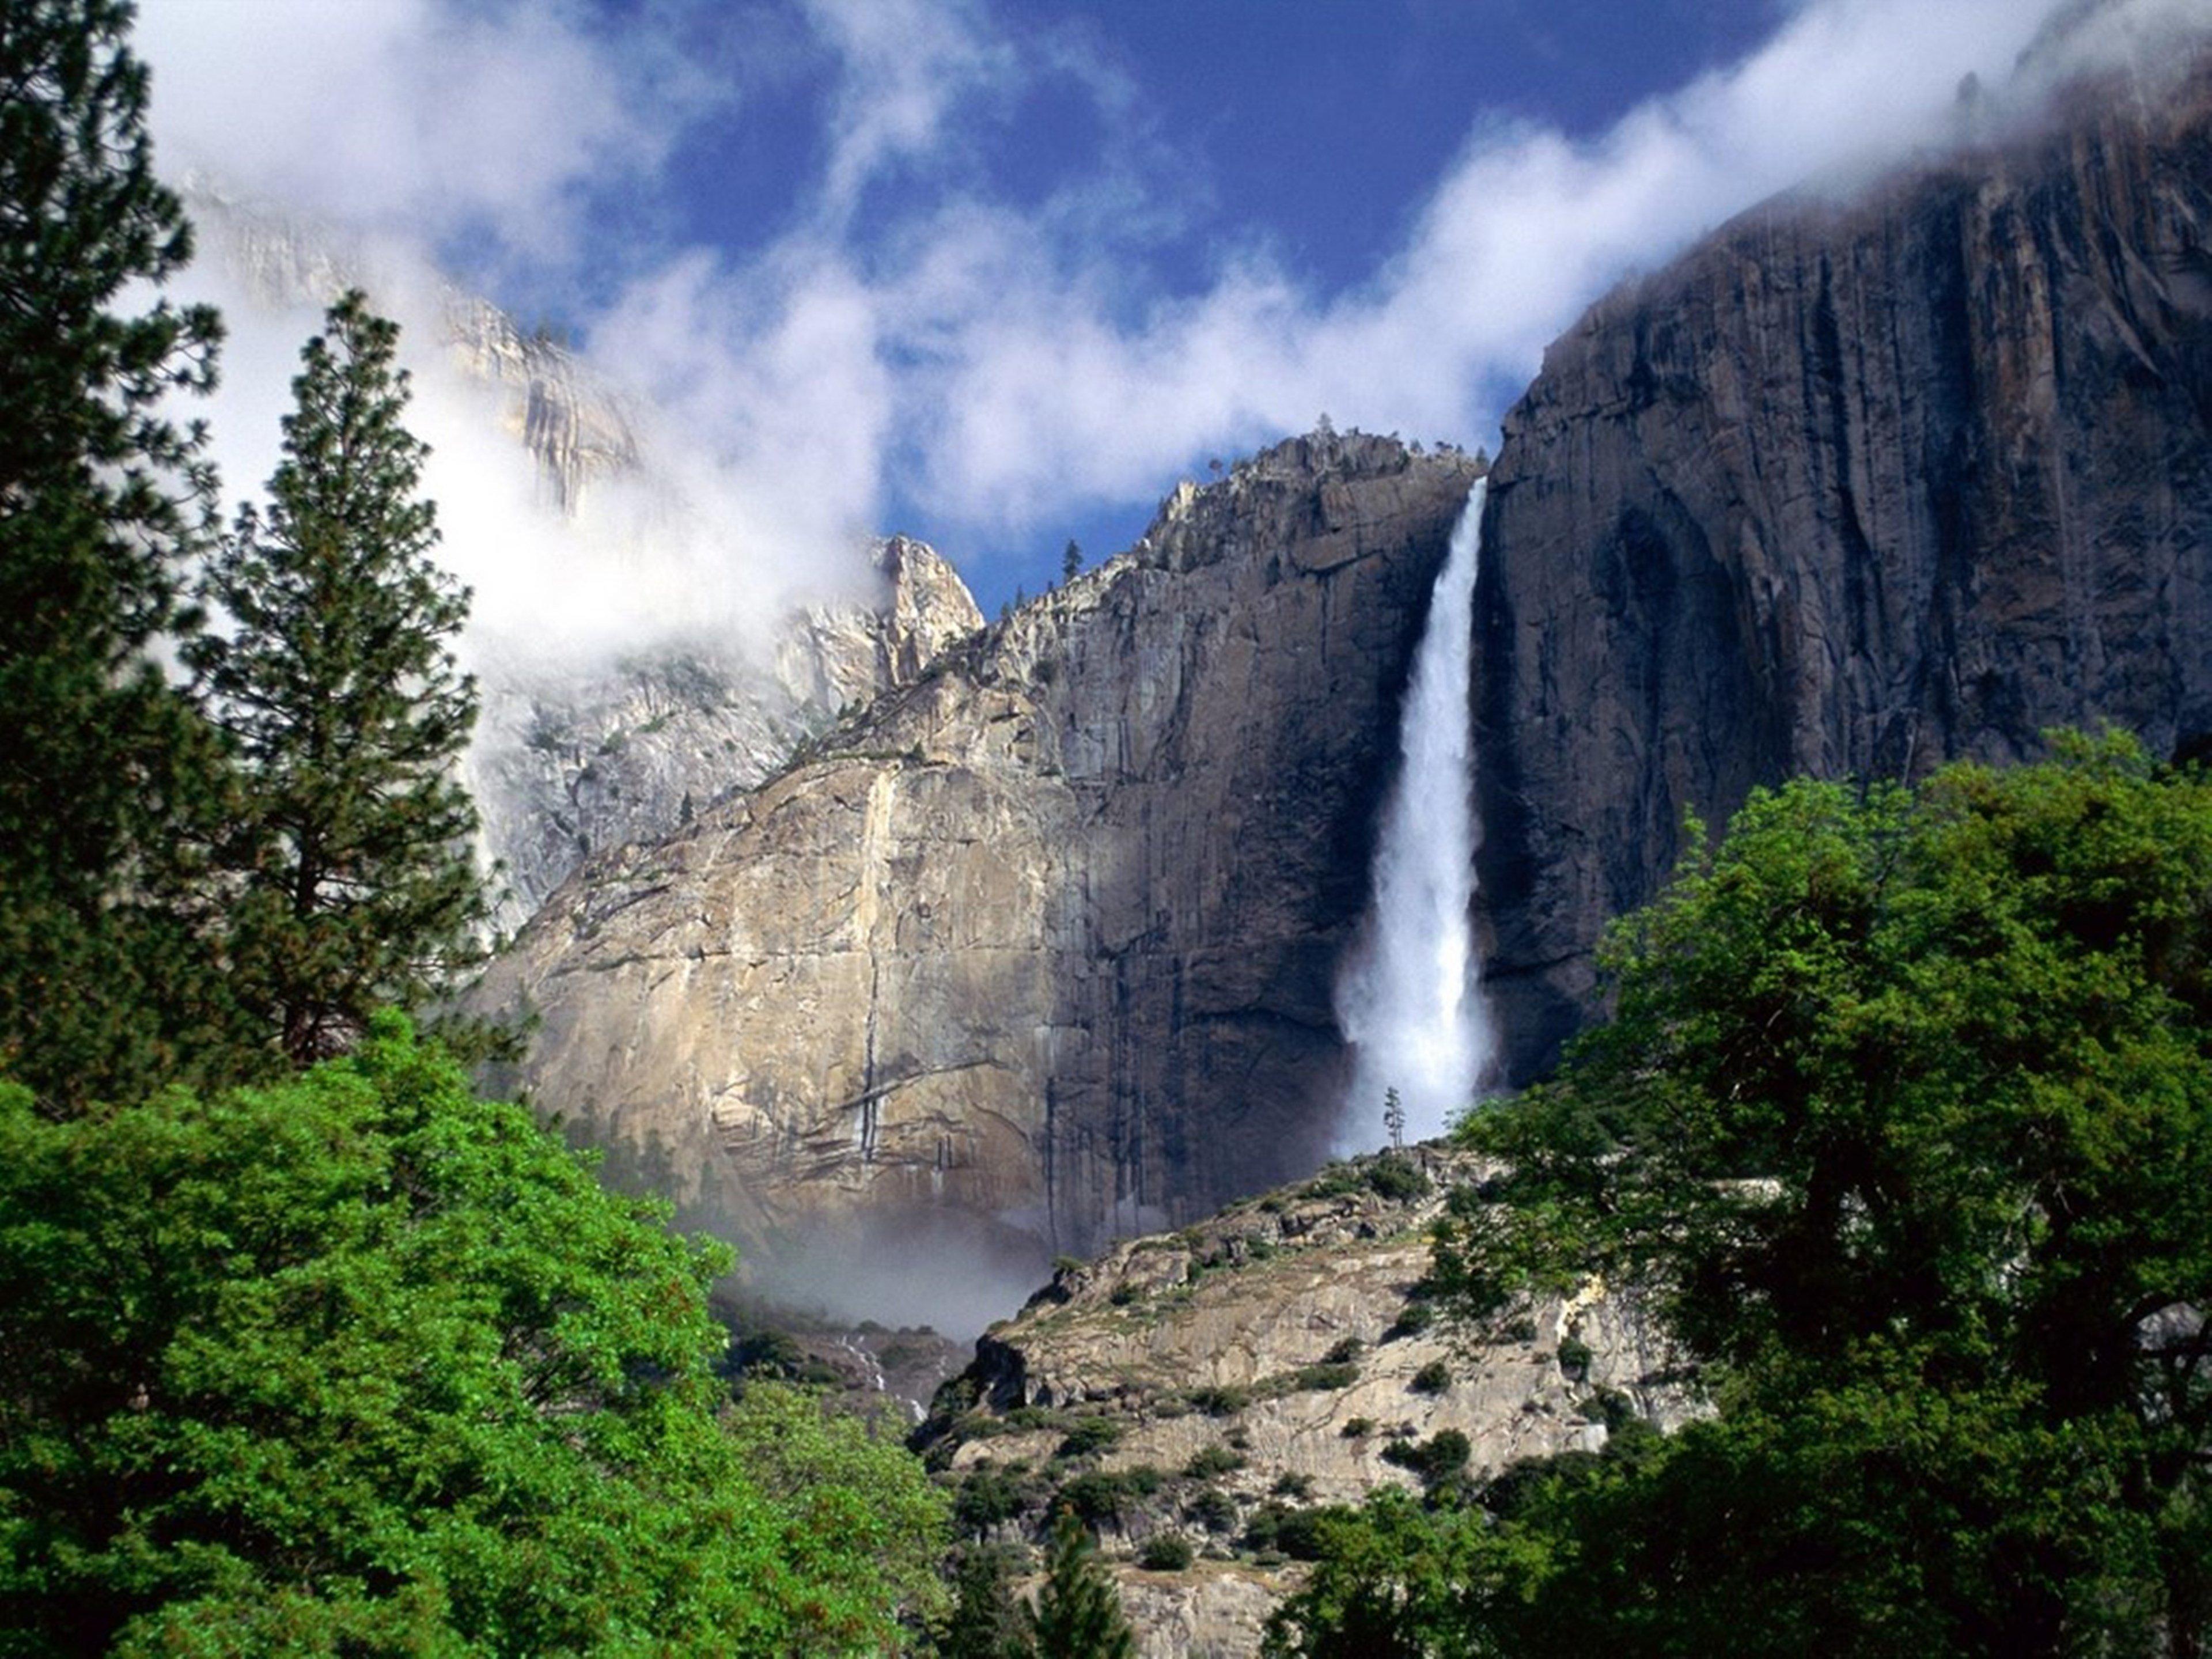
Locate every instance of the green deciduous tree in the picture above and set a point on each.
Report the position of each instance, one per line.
(104, 767)
(1079, 1612)
(359, 1363)
(1904, 1124)
(336, 681)
(1904, 1128)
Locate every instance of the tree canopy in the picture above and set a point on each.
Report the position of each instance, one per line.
(105, 770)
(1903, 1125)
(357, 884)
(360, 1363)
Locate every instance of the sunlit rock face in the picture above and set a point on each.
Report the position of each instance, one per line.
(1038, 947)
(1850, 490)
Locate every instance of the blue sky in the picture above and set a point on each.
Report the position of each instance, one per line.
(998, 274)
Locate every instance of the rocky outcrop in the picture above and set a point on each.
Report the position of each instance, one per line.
(1215, 1383)
(1038, 947)
(1857, 486)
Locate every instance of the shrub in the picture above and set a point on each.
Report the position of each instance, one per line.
(1341, 1374)
(1574, 1358)
(987, 1498)
(1165, 1552)
(1437, 1459)
(1212, 1509)
(1088, 1435)
(1357, 1428)
(1397, 1178)
(1213, 1461)
(1344, 1351)
(1435, 1377)
(1414, 1318)
(1221, 1400)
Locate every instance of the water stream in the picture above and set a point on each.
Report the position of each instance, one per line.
(1409, 999)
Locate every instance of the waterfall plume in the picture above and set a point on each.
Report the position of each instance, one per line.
(1409, 999)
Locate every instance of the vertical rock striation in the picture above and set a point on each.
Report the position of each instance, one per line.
(1853, 487)
(1038, 946)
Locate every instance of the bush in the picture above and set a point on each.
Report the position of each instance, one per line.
(1357, 1428)
(1220, 1401)
(1345, 1351)
(1311, 1378)
(1279, 1528)
(1443, 1455)
(1090, 1435)
(1397, 1178)
(1212, 1509)
(1211, 1462)
(987, 1497)
(1097, 1498)
(1165, 1552)
(1414, 1318)
(1574, 1358)
(1435, 1377)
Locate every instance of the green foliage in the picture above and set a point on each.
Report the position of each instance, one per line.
(1088, 1435)
(1165, 1552)
(1393, 1581)
(1398, 1178)
(1288, 1530)
(1415, 1317)
(356, 881)
(988, 1497)
(1212, 1509)
(362, 1361)
(108, 778)
(1071, 561)
(1435, 1460)
(1079, 1612)
(1210, 1462)
(1435, 1377)
(988, 1621)
(1220, 1400)
(1905, 1126)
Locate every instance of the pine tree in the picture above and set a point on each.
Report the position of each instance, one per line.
(1079, 1612)
(1071, 561)
(988, 1621)
(1393, 1118)
(358, 883)
(104, 766)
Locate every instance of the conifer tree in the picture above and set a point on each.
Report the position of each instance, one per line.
(358, 884)
(103, 764)
(1079, 1612)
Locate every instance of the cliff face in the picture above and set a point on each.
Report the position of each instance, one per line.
(1040, 945)
(567, 764)
(1850, 490)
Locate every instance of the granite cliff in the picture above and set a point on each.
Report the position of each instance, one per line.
(1859, 485)
(1037, 947)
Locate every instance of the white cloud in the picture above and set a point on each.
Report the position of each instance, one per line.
(1000, 364)
(418, 117)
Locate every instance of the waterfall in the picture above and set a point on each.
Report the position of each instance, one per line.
(1409, 999)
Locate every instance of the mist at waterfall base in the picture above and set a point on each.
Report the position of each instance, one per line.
(1409, 1001)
